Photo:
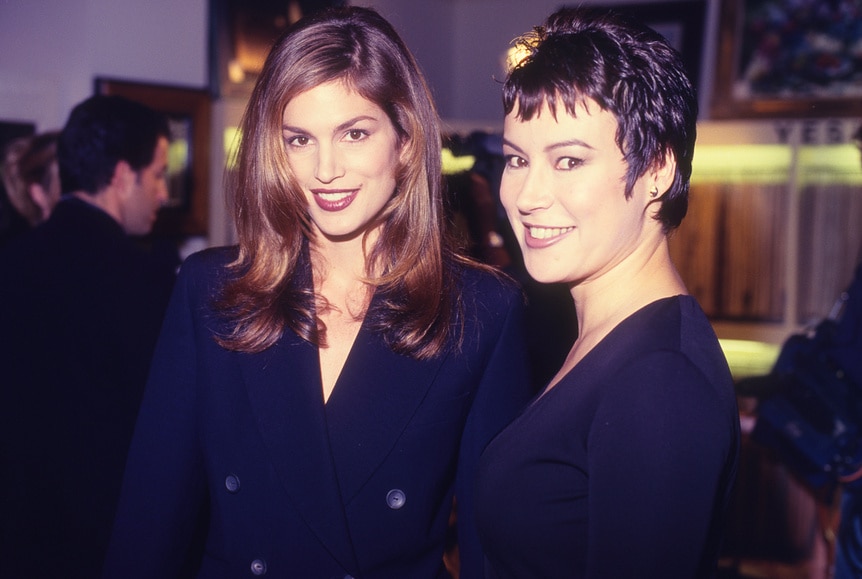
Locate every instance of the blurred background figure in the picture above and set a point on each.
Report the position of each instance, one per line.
(32, 183)
(81, 305)
(808, 412)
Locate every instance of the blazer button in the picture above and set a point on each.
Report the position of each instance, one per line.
(395, 499)
(231, 483)
(258, 567)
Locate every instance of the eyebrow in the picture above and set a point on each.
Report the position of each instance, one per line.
(345, 125)
(552, 146)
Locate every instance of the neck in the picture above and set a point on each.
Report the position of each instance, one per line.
(340, 277)
(104, 201)
(602, 303)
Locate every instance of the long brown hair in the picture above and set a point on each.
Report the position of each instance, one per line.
(28, 161)
(417, 307)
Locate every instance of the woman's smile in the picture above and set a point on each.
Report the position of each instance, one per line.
(538, 237)
(344, 152)
(334, 199)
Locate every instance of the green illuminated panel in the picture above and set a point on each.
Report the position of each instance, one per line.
(768, 164)
(829, 165)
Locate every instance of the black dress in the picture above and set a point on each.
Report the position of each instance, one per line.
(624, 468)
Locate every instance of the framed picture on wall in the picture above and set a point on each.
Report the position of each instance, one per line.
(789, 58)
(188, 112)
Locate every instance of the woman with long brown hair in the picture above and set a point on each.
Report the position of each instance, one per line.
(328, 385)
(31, 180)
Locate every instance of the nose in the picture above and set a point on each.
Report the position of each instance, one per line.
(329, 165)
(531, 192)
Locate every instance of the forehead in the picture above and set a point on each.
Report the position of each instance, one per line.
(327, 101)
(548, 125)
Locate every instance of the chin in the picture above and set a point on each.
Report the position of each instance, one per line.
(337, 235)
(543, 276)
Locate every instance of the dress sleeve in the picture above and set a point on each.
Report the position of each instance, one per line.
(163, 486)
(658, 449)
(503, 390)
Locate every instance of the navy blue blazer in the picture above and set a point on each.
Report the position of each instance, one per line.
(358, 486)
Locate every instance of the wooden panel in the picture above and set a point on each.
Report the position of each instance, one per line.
(830, 239)
(753, 252)
(731, 250)
(694, 246)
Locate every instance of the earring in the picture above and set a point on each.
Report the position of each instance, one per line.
(653, 192)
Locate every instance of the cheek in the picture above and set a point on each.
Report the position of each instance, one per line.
(299, 165)
(381, 166)
(508, 194)
(155, 189)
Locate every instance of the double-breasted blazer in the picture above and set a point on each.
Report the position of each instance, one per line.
(359, 486)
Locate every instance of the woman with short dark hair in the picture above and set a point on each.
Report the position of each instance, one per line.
(623, 465)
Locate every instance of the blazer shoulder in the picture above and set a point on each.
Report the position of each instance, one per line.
(203, 274)
(213, 256)
(489, 298)
(209, 263)
(489, 286)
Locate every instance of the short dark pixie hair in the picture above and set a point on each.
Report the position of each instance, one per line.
(102, 131)
(629, 70)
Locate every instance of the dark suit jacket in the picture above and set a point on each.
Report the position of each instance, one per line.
(80, 311)
(360, 486)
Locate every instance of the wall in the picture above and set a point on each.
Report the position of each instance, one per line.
(51, 50)
(460, 45)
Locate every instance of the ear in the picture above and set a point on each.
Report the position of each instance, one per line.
(661, 176)
(123, 177)
(119, 190)
(41, 199)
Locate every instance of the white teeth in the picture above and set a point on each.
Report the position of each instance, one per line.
(547, 232)
(333, 197)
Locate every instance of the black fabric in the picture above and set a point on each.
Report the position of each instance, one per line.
(624, 468)
(359, 485)
(80, 310)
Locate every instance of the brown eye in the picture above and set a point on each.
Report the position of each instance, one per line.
(569, 163)
(515, 162)
(356, 134)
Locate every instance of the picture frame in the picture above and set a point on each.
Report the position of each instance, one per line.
(188, 111)
(788, 59)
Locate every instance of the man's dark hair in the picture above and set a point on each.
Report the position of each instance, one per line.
(101, 132)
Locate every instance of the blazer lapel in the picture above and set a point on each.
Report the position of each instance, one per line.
(375, 398)
(284, 388)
